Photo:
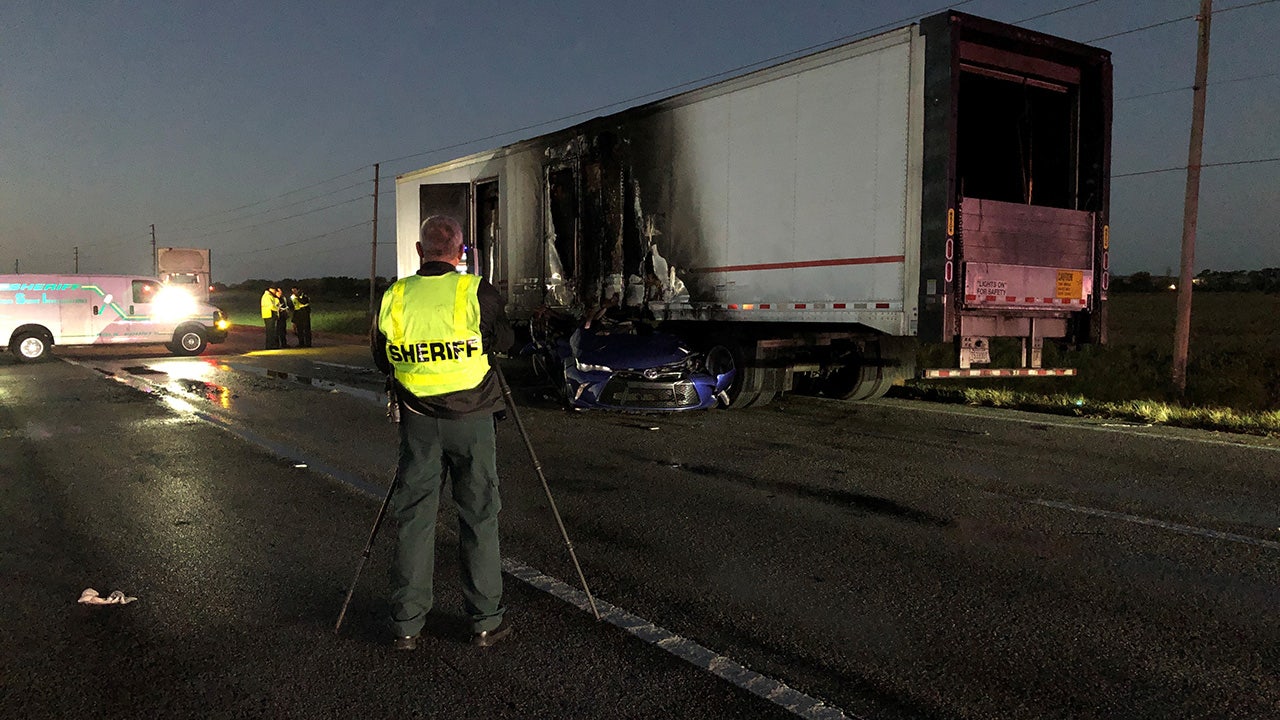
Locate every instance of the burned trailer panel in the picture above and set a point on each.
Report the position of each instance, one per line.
(815, 218)
(781, 197)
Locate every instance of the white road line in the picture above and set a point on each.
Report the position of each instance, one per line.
(691, 652)
(1108, 427)
(763, 686)
(356, 368)
(1175, 527)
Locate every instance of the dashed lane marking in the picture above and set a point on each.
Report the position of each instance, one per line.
(691, 652)
(1083, 424)
(763, 686)
(1175, 527)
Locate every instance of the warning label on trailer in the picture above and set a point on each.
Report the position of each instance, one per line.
(1070, 284)
(994, 288)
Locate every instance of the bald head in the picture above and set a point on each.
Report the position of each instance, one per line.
(440, 240)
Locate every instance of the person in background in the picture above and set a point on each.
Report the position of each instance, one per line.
(282, 317)
(435, 335)
(301, 305)
(268, 303)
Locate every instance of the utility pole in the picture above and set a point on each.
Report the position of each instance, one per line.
(15, 268)
(373, 253)
(1191, 203)
(76, 254)
(155, 259)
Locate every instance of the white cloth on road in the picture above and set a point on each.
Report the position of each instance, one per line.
(117, 597)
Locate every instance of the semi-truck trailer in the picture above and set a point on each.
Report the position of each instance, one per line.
(187, 267)
(944, 182)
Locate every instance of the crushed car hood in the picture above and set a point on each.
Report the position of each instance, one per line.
(627, 350)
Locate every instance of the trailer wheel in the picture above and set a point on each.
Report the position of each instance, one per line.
(189, 341)
(857, 382)
(869, 376)
(30, 346)
(744, 391)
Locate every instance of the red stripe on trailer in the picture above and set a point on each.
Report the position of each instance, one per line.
(838, 306)
(764, 306)
(882, 306)
(800, 306)
(876, 260)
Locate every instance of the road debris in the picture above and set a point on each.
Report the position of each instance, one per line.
(117, 597)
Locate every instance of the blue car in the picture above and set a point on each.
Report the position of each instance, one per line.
(627, 367)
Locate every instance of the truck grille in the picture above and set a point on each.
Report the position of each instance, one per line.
(628, 392)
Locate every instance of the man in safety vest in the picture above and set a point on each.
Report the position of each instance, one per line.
(435, 333)
(268, 304)
(301, 305)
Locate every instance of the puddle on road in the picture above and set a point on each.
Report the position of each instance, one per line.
(319, 383)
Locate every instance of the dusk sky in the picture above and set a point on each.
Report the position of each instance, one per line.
(251, 128)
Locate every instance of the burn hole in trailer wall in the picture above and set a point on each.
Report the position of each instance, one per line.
(482, 259)
(1016, 139)
(563, 208)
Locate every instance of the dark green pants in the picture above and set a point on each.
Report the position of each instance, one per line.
(465, 452)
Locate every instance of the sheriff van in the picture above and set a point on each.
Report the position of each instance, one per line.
(38, 312)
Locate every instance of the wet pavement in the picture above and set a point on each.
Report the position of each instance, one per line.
(811, 558)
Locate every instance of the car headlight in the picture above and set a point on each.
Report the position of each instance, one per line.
(585, 367)
(173, 303)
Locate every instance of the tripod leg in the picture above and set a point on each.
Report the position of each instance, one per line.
(368, 547)
(511, 405)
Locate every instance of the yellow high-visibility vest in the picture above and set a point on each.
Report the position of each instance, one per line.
(268, 303)
(432, 325)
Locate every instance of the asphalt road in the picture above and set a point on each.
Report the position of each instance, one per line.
(811, 558)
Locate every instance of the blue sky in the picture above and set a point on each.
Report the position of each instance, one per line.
(217, 121)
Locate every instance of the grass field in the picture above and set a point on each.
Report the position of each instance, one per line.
(1233, 361)
(333, 315)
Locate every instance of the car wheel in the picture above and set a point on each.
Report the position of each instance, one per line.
(30, 346)
(189, 341)
(720, 362)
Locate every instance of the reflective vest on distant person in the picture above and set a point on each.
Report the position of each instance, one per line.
(432, 324)
(268, 303)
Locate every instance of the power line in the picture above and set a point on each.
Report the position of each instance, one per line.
(299, 242)
(274, 197)
(270, 222)
(1180, 19)
(1055, 12)
(282, 207)
(1141, 29)
(1203, 165)
(1242, 7)
(680, 86)
(1188, 87)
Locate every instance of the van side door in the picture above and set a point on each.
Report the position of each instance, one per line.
(144, 326)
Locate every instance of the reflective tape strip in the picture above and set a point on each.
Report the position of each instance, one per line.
(1026, 300)
(891, 306)
(1001, 372)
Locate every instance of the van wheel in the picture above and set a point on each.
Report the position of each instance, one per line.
(189, 341)
(30, 346)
